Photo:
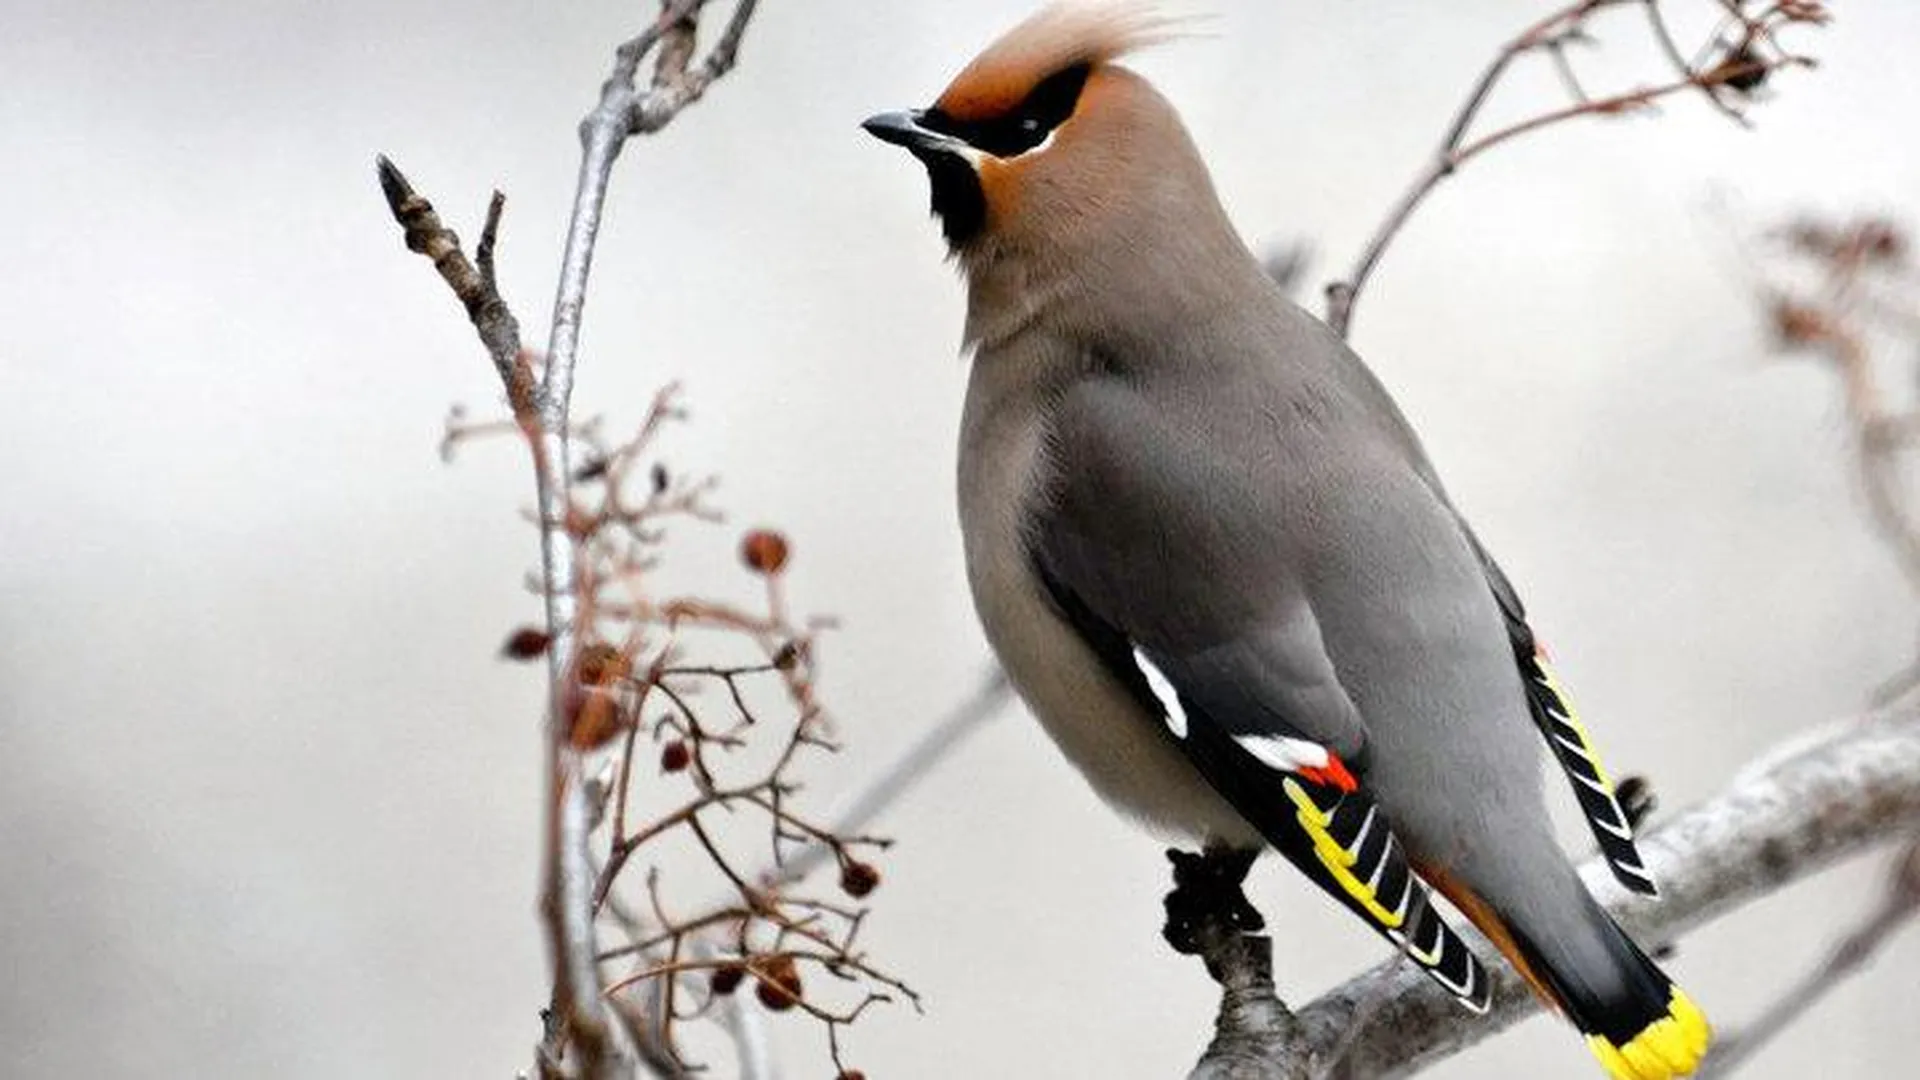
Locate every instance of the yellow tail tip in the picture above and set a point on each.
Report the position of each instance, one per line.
(1666, 1049)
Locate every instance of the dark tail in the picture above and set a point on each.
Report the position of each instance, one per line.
(1637, 1022)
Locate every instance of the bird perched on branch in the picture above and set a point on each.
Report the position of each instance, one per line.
(1217, 564)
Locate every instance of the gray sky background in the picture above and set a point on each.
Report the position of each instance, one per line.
(269, 807)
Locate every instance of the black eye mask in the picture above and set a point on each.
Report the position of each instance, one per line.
(1045, 108)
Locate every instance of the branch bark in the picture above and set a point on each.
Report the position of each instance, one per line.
(1788, 816)
(578, 1020)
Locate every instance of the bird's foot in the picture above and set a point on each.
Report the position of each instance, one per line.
(1636, 799)
(1207, 903)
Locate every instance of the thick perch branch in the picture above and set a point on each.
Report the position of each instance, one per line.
(1784, 818)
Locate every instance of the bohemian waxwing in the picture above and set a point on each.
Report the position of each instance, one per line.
(1216, 563)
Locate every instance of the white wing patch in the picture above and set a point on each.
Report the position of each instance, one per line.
(1170, 707)
(1284, 754)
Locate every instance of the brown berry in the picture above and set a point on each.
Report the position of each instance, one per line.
(596, 720)
(726, 978)
(1882, 241)
(852, 1074)
(526, 643)
(764, 551)
(779, 985)
(580, 523)
(675, 756)
(858, 878)
(601, 664)
(787, 658)
(1796, 324)
(1742, 70)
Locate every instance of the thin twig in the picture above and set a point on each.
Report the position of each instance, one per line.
(993, 694)
(1550, 34)
(1896, 910)
(475, 288)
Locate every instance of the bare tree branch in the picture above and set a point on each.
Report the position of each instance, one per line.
(1896, 909)
(1863, 291)
(570, 874)
(992, 695)
(578, 1017)
(1842, 792)
(1723, 75)
(475, 288)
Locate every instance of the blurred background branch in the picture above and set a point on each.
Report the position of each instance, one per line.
(1727, 71)
(1846, 293)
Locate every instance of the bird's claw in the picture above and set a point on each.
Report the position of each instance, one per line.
(1207, 893)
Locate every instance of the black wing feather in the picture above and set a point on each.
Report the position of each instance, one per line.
(1572, 746)
(1298, 815)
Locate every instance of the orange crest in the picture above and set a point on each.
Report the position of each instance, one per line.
(1056, 38)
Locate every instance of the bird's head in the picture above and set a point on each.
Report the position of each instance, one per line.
(1044, 134)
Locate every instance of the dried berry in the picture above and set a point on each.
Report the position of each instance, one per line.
(595, 719)
(1742, 70)
(852, 1074)
(726, 978)
(601, 664)
(787, 658)
(779, 985)
(858, 878)
(764, 551)
(660, 479)
(526, 643)
(675, 756)
(580, 522)
(1882, 241)
(1796, 324)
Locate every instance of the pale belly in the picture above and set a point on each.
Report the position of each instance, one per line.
(1115, 744)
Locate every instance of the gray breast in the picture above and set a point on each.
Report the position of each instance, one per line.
(1005, 455)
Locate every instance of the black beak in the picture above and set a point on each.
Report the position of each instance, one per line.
(903, 129)
(953, 168)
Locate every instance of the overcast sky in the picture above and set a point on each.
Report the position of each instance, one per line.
(270, 805)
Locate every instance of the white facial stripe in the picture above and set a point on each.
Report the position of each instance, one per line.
(1037, 148)
(1170, 707)
(967, 152)
(1282, 753)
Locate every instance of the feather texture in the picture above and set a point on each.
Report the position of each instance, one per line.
(1057, 37)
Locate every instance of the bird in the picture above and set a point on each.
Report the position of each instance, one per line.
(1214, 559)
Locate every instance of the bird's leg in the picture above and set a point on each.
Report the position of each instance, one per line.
(1207, 908)
(1208, 915)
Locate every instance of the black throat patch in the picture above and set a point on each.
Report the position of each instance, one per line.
(958, 199)
(957, 196)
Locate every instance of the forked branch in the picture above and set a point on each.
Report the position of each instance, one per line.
(1726, 74)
